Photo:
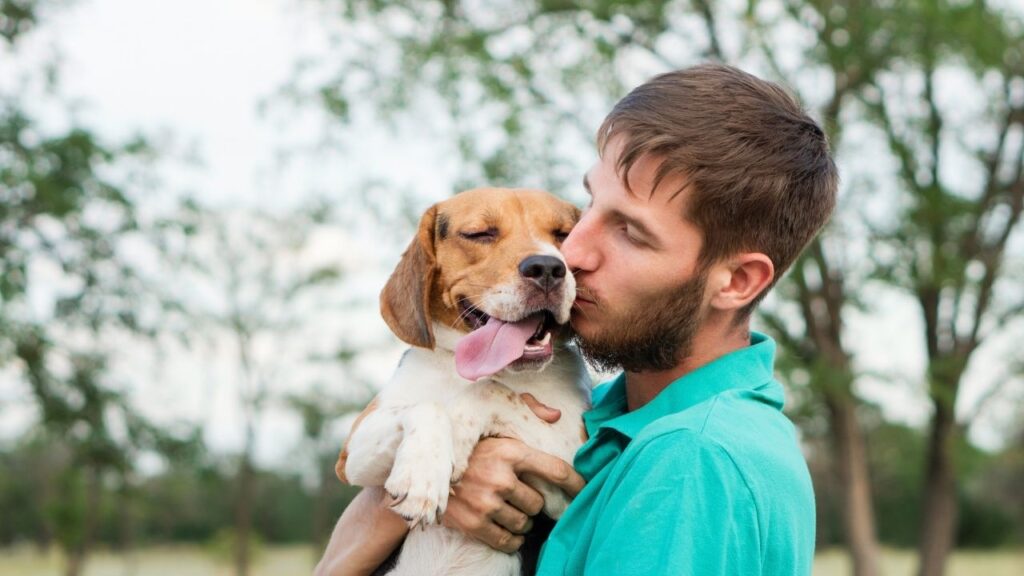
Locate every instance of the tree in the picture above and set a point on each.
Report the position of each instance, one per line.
(951, 242)
(870, 50)
(83, 415)
(263, 282)
(318, 408)
(64, 286)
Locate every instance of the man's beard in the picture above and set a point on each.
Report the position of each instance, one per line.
(655, 336)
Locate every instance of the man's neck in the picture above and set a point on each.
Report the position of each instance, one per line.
(713, 340)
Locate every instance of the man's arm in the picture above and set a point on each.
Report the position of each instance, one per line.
(365, 535)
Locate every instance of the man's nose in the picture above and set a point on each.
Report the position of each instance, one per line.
(578, 254)
(546, 272)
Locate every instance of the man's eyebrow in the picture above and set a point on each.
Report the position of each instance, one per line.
(648, 235)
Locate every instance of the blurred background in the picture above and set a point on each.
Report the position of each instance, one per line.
(200, 200)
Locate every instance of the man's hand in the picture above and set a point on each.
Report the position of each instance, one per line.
(491, 503)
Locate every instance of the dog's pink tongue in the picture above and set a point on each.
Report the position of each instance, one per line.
(493, 346)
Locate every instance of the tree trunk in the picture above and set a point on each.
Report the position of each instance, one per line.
(128, 528)
(858, 506)
(75, 563)
(243, 515)
(939, 517)
(77, 553)
(321, 529)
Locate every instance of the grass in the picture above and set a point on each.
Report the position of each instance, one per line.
(297, 560)
(835, 562)
(159, 561)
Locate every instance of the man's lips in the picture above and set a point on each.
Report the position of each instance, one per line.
(584, 299)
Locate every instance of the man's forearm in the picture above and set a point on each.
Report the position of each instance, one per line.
(365, 535)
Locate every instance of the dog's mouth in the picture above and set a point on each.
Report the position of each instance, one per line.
(475, 318)
(494, 344)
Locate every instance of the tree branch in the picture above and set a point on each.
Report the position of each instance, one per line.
(714, 46)
(903, 150)
(998, 387)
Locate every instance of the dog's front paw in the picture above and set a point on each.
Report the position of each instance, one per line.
(555, 504)
(421, 497)
(555, 501)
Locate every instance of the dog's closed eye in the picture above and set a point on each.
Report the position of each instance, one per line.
(482, 236)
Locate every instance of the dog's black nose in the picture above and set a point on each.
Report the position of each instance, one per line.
(544, 271)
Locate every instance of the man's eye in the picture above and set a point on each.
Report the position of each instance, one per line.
(482, 236)
(630, 237)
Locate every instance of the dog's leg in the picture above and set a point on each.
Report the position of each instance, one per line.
(421, 476)
(371, 448)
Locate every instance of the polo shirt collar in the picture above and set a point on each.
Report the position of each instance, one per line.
(746, 368)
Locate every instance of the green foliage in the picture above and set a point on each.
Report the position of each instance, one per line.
(67, 514)
(190, 501)
(895, 453)
(518, 67)
(16, 18)
(222, 546)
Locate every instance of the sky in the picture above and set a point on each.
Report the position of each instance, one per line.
(197, 73)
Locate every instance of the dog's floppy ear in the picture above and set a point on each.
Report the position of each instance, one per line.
(405, 300)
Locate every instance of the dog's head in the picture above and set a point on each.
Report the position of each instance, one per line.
(486, 261)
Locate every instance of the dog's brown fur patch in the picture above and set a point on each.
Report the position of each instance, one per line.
(339, 467)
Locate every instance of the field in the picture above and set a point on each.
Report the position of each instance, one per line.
(297, 560)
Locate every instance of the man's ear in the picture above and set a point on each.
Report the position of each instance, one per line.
(737, 281)
(405, 300)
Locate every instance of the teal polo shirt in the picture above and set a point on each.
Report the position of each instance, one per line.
(705, 479)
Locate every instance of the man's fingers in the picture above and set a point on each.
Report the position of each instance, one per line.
(501, 539)
(469, 522)
(512, 519)
(543, 411)
(525, 499)
(553, 469)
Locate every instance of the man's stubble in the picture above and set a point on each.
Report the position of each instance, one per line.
(652, 335)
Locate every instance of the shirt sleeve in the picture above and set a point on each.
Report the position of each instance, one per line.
(681, 506)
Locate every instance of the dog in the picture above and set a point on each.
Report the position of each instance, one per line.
(483, 296)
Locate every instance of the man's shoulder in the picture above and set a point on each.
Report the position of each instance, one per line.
(739, 427)
(725, 418)
(676, 446)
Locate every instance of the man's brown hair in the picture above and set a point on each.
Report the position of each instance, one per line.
(757, 166)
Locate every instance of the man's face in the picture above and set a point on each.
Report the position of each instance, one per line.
(640, 294)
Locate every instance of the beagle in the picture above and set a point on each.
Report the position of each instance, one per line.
(483, 296)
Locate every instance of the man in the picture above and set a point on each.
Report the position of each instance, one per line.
(709, 184)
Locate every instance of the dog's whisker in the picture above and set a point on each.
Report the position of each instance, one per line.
(465, 313)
